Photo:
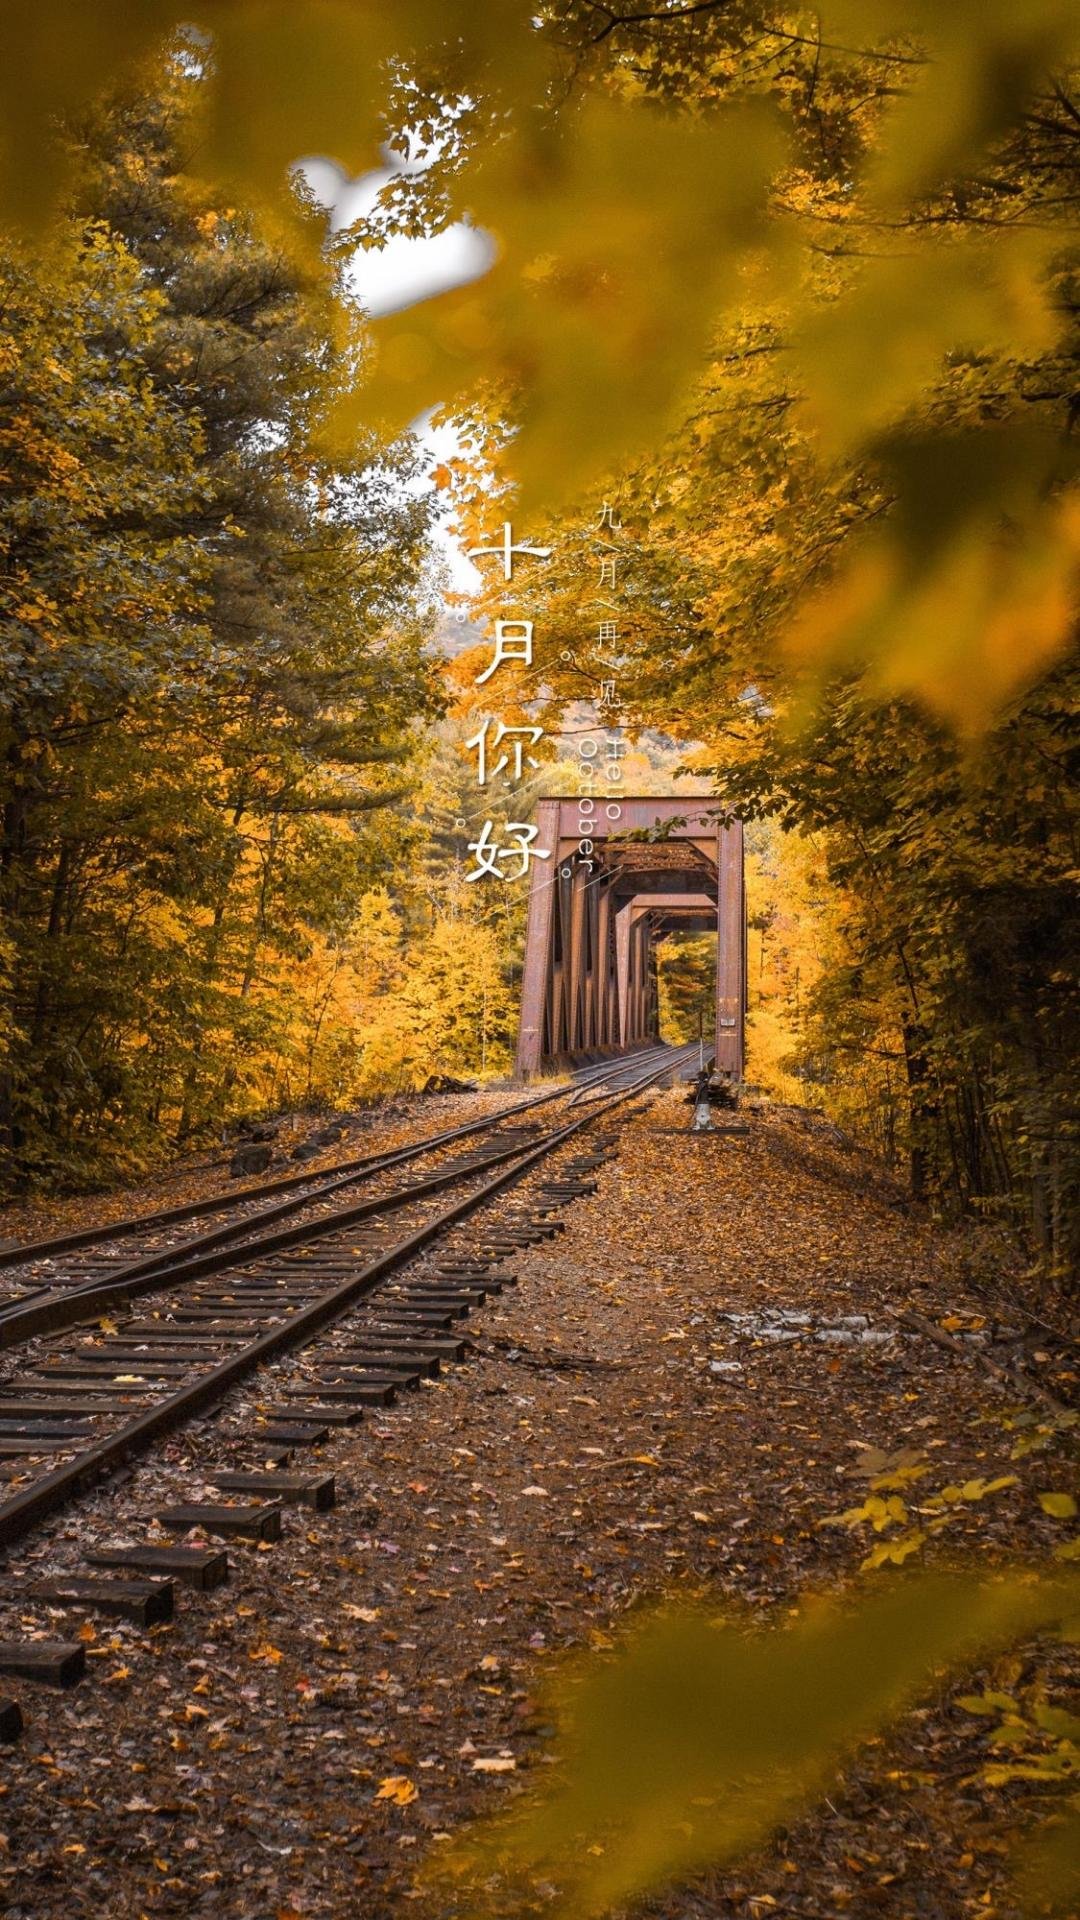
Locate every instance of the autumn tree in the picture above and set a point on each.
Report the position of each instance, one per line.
(103, 590)
(850, 563)
(217, 639)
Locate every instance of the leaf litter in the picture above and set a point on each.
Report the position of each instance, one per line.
(304, 1739)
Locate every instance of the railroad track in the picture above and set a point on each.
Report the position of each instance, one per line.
(45, 1292)
(344, 1305)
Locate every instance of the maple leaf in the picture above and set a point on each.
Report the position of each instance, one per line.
(398, 1789)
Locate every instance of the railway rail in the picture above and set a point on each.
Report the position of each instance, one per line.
(44, 1305)
(358, 1298)
(243, 1203)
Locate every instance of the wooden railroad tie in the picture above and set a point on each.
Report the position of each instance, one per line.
(326, 1416)
(297, 1434)
(261, 1522)
(148, 1603)
(296, 1489)
(11, 1721)
(201, 1568)
(50, 1663)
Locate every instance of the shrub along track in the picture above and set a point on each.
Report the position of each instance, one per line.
(74, 1412)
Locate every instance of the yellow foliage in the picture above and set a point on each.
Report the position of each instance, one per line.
(626, 232)
(947, 598)
(787, 909)
(860, 376)
(446, 1009)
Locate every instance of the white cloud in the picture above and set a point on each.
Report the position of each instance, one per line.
(399, 275)
(404, 271)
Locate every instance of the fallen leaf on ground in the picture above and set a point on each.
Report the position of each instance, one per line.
(398, 1789)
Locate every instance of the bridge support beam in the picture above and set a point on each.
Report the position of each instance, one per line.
(541, 986)
(589, 980)
(730, 952)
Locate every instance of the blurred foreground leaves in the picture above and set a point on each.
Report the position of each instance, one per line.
(620, 245)
(696, 1738)
(628, 228)
(967, 590)
(291, 77)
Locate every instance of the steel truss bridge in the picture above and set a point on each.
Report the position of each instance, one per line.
(622, 876)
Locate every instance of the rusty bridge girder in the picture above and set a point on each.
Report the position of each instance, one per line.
(597, 908)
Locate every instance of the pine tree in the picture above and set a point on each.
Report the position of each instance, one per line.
(219, 653)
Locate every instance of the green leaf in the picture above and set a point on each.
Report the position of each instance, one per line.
(1055, 1720)
(1058, 1765)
